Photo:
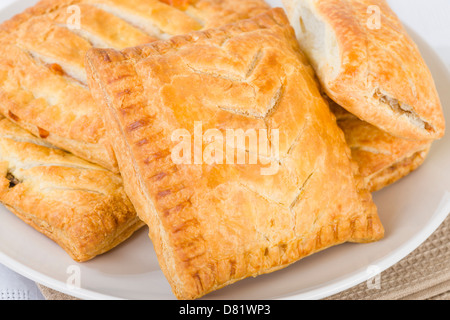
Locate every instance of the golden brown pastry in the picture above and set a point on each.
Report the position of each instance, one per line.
(369, 65)
(80, 206)
(213, 223)
(42, 79)
(382, 158)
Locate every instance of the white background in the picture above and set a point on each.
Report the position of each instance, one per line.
(429, 18)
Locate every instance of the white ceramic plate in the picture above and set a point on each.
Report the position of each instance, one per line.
(411, 210)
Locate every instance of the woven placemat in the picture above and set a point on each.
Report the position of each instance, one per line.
(423, 275)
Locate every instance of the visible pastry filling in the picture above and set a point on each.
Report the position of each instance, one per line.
(13, 181)
(403, 109)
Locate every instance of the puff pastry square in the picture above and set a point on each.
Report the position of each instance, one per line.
(42, 78)
(369, 65)
(214, 224)
(80, 206)
(382, 158)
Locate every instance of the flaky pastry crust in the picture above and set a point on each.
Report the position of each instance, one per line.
(79, 205)
(214, 224)
(368, 64)
(382, 158)
(42, 78)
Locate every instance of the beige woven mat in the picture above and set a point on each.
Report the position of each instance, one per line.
(423, 275)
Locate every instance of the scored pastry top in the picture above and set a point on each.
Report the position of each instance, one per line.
(81, 206)
(42, 78)
(214, 224)
(369, 64)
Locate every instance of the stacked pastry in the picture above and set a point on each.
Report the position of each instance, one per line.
(378, 84)
(44, 86)
(79, 205)
(60, 172)
(92, 106)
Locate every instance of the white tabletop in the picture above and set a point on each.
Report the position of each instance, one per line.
(429, 18)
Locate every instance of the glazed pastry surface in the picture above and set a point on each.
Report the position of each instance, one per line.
(215, 223)
(79, 205)
(43, 86)
(368, 64)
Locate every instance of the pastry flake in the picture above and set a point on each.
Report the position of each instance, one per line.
(79, 205)
(43, 85)
(213, 224)
(369, 65)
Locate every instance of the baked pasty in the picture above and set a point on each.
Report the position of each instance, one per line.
(213, 218)
(368, 64)
(80, 206)
(382, 158)
(42, 78)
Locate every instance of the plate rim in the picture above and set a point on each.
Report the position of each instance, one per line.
(382, 264)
